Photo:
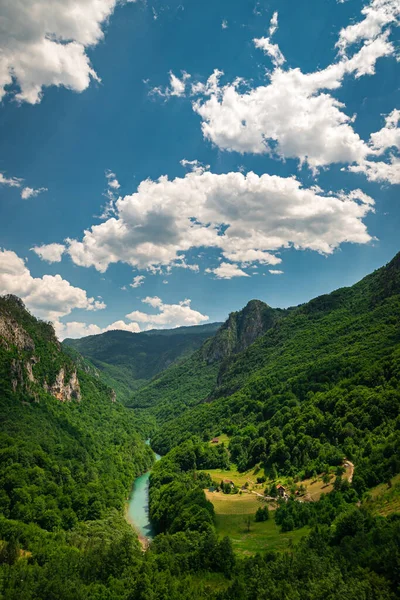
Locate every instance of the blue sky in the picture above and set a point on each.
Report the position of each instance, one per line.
(291, 169)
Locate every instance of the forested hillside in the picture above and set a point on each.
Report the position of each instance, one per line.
(194, 380)
(321, 384)
(296, 393)
(127, 361)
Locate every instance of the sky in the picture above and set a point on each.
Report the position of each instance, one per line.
(164, 162)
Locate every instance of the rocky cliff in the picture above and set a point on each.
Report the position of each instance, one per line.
(241, 330)
(31, 357)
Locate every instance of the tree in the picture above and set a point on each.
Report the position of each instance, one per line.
(247, 522)
(326, 478)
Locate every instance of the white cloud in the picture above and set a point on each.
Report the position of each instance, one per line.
(294, 115)
(378, 15)
(50, 252)
(169, 315)
(379, 171)
(275, 272)
(177, 87)
(49, 297)
(137, 281)
(29, 192)
(77, 329)
(248, 217)
(194, 165)
(227, 271)
(10, 181)
(389, 135)
(112, 182)
(269, 48)
(387, 138)
(44, 43)
(224, 24)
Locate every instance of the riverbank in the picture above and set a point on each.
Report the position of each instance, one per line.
(136, 509)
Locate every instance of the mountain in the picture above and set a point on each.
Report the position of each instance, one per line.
(321, 383)
(68, 451)
(194, 379)
(127, 361)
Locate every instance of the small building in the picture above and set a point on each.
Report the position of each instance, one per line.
(281, 490)
(215, 440)
(229, 481)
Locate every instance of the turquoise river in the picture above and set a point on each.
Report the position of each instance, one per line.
(138, 506)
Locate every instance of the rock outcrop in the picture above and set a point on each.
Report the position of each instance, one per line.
(241, 330)
(64, 390)
(18, 332)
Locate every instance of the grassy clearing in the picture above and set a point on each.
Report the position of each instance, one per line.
(234, 504)
(232, 510)
(238, 479)
(222, 439)
(383, 500)
(261, 537)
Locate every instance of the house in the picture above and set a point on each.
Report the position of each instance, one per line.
(281, 491)
(215, 440)
(229, 481)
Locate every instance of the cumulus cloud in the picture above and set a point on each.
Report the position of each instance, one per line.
(29, 192)
(78, 329)
(49, 297)
(378, 14)
(45, 43)
(247, 217)
(224, 24)
(379, 171)
(168, 315)
(227, 271)
(294, 114)
(50, 252)
(275, 272)
(389, 135)
(137, 281)
(387, 138)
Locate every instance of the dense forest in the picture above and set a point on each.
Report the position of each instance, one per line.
(296, 393)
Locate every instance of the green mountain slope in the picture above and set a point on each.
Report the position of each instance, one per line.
(322, 383)
(128, 360)
(68, 452)
(194, 380)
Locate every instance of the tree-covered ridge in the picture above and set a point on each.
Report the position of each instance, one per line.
(127, 361)
(193, 380)
(322, 384)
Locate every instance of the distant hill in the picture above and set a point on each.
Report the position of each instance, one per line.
(127, 361)
(195, 379)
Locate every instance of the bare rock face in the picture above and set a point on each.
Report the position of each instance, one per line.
(12, 333)
(113, 396)
(64, 391)
(241, 330)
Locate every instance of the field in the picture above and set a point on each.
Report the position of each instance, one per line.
(314, 488)
(234, 504)
(383, 500)
(238, 479)
(232, 512)
(261, 537)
